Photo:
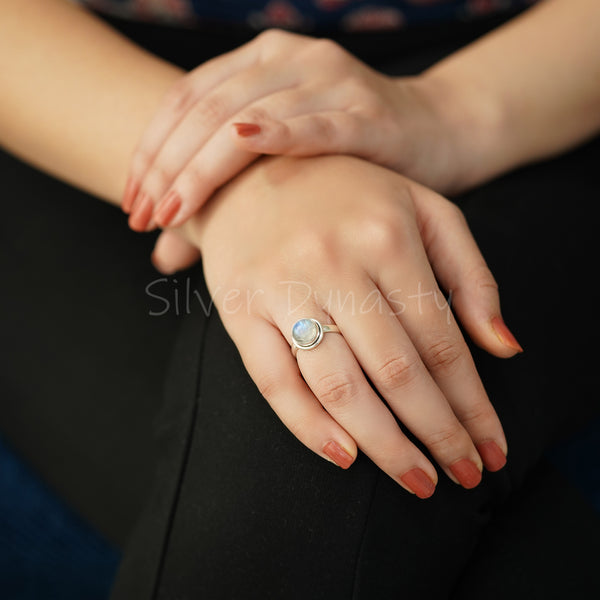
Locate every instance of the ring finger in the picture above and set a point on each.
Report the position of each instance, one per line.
(389, 358)
(336, 379)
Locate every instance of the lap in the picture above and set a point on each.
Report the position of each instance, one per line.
(252, 513)
(239, 508)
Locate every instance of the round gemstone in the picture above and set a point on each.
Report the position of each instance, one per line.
(305, 332)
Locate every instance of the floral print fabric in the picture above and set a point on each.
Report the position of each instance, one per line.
(305, 15)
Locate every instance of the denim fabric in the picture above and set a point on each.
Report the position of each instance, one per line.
(46, 550)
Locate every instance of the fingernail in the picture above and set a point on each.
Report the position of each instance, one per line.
(247, 129)
(152, 225)
(131, 190)
(466, 472)
(167, 208)
(137, 201)
(338, 455)
(419, 482)
(141, 213)
(504, 334)
(493, 458)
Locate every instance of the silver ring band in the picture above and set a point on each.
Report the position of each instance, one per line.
(308, 334)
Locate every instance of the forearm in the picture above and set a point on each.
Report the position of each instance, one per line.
(76, 95)
(527, 91)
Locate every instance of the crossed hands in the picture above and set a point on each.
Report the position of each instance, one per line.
(334, 238)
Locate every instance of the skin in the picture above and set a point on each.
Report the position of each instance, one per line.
(82, 120)
(515, 91)
(375, 255)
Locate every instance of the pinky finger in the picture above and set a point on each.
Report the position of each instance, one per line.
(270, 363)
(334, 132)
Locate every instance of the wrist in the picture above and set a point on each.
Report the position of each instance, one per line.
(470, 122)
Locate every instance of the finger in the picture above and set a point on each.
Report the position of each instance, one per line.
(216, 164)
(219, 160)
(200, 123)
(336, 379)
(460, 268)
(267, 357)
(177, 103)
(430, 325)
(173, 253)
(387, 354)
(448, 359)
(258, 124)
(326, 132)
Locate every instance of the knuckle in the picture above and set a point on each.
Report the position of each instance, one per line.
(446, 440)
(380, 234)
(398, 372)
(252, 114)
(267, 385)
(443, 356)
(326, 49)
(311, 247)
(272, 43)
(482, 278)
(159, 177)
(324, 129)
(271, 36)
(141, 161)
(361, 93)
(283, 136)
(180, 96)
(193, 176)
(481, 414)
(389, 453)
(335, 390)
(212, 110)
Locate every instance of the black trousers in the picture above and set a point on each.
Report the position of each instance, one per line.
(150, 427)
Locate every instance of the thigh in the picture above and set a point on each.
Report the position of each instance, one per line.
(252, 513)
(535, 230)
(82, 372)
(239, 508)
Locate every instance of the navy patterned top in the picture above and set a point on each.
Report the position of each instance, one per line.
(305, 15)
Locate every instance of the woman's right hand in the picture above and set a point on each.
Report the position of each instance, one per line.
(347, 242)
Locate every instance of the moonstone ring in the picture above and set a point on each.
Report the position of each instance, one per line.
(308, 333)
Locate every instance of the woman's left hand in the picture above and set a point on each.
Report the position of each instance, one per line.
(282, 93)
(275, 251)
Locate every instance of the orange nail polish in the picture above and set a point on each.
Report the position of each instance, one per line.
(151, 226)
(419, 482)
(131, 190)
(338, 455)
(141, 213)
(493, 458)
(247, 129)
(136, 202)
(466, 472)
(504, 334)
(167, 208)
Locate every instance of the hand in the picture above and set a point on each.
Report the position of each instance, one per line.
(284, 93)
(274, 252)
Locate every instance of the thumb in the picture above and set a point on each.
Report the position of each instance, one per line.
(461, 269)
(173, 253)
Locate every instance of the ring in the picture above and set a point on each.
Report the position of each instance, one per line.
(308, 334)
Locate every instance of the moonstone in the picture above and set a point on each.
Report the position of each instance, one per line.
(305, 332)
